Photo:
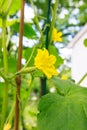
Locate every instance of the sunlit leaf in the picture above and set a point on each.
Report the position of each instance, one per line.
(9, 22)
(16, 5)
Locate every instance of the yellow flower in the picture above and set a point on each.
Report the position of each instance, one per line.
(64, 77)
(56, 36)
(7, 126)
(45, 63)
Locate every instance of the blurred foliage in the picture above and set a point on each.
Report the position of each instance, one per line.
(70, 17)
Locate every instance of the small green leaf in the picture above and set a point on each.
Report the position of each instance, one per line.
(85, 42)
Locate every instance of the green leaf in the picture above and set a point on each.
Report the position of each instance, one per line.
(63, 86)
(27, 54)
(54, 51)
(28, 30)
(12, 64)
(67, 111)
(9, 22)
(16, 5)
(38, 73)
(85, 42)
(9, 7)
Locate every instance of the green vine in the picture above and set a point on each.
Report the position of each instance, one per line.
(53, 20)
(5, 62)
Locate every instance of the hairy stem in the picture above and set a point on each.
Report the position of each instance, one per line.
(36, 18)
(9, 5)
(27, 95)
(53, 20)
(11, 114)
(5, 63)
(30, 57)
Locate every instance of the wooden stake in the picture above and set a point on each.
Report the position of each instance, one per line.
(18, 78)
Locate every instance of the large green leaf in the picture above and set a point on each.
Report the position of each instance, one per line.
(65, 110)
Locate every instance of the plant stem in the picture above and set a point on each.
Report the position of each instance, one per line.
(28, 94)
(8, 7)
(36, 18)
(11, 113)
(18, 78)
(43, 86)
(10, 116)
(53, 20)
(2, 74)
(30, 57)
(48, 22)
(43, 80)
(80, 81)
(5, 96)
(4, 45)
(1, 5)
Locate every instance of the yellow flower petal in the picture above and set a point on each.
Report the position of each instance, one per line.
(64, 77)
(7, 126)
(50, 71)
(56, 36)
(59, 34)
(54, 31)
(52, 59)
(45, 62)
